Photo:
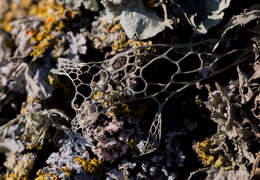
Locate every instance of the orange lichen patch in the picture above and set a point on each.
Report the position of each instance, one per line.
(43, 176)
(50, 80)
(31, 32)
(107, 99)
(47, 9)
(66, 170)
(26, 3)
(114, 31)
(81, 161)
(16, 10)
(21, 169)
(91, 166)
(53, 15)
(29, 100)
(31, 147)
(59, 26)
(24, 109)
(114, 27)
(120, 44)
(123, 42)
(203, 149)
(104, 98)
(13, 176)
(48, 42)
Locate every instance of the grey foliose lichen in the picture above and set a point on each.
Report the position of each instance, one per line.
(205, 14)
(136, 20)
(74, 147)
(88, 4)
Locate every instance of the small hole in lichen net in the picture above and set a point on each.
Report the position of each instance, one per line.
(160, 71)
(85, 90)
(137, 84)
(86, 78)
(191, 62)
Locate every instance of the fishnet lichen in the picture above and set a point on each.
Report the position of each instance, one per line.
(125, 78)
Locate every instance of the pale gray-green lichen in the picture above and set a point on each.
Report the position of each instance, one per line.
(75, 4)
(136, 20)
(205, 14)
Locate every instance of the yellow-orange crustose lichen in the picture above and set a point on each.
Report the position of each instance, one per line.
(43, 176)
(66, 170)
(16, 10)
(29, 100)
(52, 14)
(91, 166)
(49, 10)
(21, 168)
(203, 149)
(100, 96)
(123, 42)
(120, 39)
(31, 147)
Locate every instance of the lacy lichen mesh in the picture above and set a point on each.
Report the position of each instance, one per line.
(156, 71)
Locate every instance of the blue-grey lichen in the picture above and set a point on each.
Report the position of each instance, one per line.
(205, 14)
(135, 19)
(19, 166)
(73, 151)
(88, 4)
